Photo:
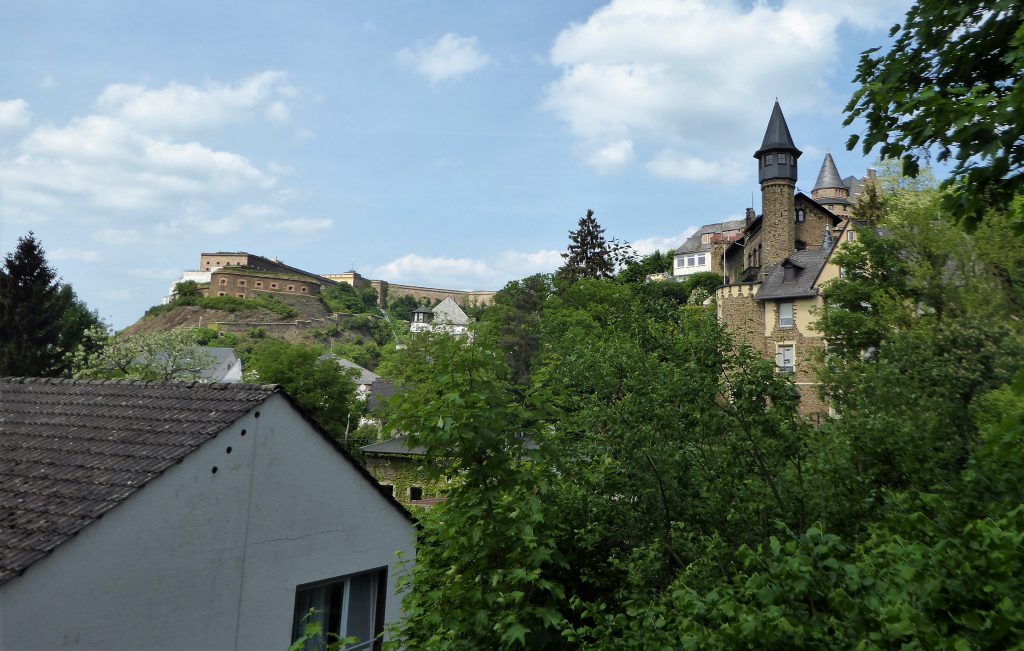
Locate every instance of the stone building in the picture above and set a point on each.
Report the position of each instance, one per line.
(775, 268)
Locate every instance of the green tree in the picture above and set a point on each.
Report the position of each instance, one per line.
(401, 307)
(42, 322)
(486, 571)
(513, 319)
(170, 355)
(590, 255)
(319, 385)
(951, 82)
(636, 271)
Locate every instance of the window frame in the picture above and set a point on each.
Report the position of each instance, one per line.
(792, 315)
(378, 604)
(781, 357)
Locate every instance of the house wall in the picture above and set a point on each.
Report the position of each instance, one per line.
(203, 560)
(390, 291)
(742, 315)
(403, 472)
(226, 283)
(812, 230)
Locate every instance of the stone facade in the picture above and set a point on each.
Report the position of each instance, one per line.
(392, 290)
(248, 285)
(742, 314)
(778, 228)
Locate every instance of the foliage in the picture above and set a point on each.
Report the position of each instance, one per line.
(343, 297)
(486, 559)
(951, 81)
(323, 388)
(590, 255)
(187, 289)
(313, 637)
(227, 304)
(365, 353)
(42, 321)
(636, 271)
(513, 320)
(401, 307)
(170, 355)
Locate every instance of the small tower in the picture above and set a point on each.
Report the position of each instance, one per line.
(777, 172)
(829, 190)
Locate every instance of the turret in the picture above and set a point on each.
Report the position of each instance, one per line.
(830, 190)
(776, 161)
(777, 156)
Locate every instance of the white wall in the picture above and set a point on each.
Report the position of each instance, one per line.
(679, 267)
(197, 560)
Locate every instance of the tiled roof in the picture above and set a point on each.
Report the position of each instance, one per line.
(71, 450)
(809, 264)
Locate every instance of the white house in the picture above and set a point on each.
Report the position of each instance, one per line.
(696, 253)
(161, 515)
(446, 316)
(364, 378)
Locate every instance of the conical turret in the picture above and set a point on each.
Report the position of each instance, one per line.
(777, 155)
(828, 177)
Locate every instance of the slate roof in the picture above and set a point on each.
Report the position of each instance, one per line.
(71, 450)
(810, 263)
(693, 243)
(776, 136)
(396, 445)
(365, 376)
(828, 176)
(448, 312)
(225, 360)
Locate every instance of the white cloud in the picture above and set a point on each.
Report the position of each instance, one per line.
(451, 57)
(649, 245)
(179, 106)
(75, 255)
(674, 165)
(116, 236)
(612, 156)
(108, 164)
(467, 273)
(14, 114)
(278, 112)
(300, 225)
(698, 77)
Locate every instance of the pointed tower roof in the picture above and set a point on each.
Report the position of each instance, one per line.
(828, 177)
(776, 136)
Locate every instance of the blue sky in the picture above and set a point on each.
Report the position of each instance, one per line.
(435, 143)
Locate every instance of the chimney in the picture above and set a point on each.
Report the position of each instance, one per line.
(750, 216)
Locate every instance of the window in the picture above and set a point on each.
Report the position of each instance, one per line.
(223, 281)
(788, 273)
(241, 283)
(851, 236)
(781, 159)
(801, 216)
(302, 289)
(705, 238)
(273, 285)
(784, 358)
(258, 283)
(240, 295)
(800, 245)
(691, 260)
(415, 492)
(220, 293)
(291, 288)
(785, 315)
(680, 260)
(701, 259)
(388, 488)
(350, 605)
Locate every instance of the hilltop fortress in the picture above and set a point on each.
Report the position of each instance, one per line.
(246, 275)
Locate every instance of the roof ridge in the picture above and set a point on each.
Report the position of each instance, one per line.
(186, 384)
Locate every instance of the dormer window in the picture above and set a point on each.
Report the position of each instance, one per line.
(800, 245)
(788, 273)
(705, 238)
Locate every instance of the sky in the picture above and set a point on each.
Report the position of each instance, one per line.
(445, 144)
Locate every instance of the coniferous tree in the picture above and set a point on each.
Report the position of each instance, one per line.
(589, 255)
(41, 320)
